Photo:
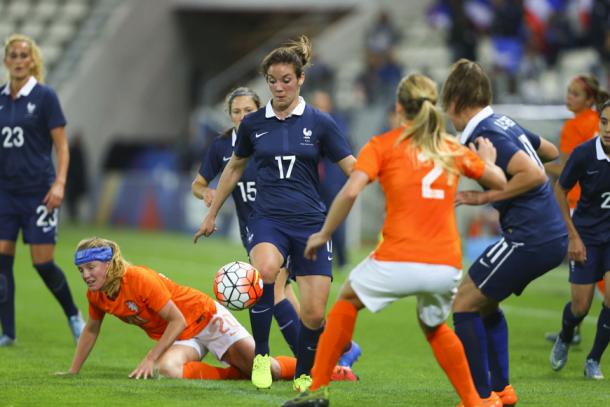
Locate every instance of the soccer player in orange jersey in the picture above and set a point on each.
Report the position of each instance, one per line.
(418, 166)
(583, 94)
(185, 322)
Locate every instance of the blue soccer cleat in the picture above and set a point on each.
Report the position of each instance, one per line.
(351, 356)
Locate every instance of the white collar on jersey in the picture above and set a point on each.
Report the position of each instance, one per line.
(298, 110)
(233, 137)
(601, 154)
(25, 89)
(474, 122)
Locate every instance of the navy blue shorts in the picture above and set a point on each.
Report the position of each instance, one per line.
(28, 213)
(506, 267)
(291, 240)
(593, 270)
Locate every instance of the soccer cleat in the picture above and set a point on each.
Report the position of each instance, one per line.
(343, 374)
(261, 372)
(77, 324)
(302, 383)
(592, 370)
(559, 354)
(492, 401)
(6, 341)
(576, 338)
(508, 396)
(318, 398)
(351, 356)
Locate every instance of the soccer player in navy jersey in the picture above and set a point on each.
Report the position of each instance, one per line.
(31, 191)
(286, 138)
(240, 102)
(589, 243)
(534, 236)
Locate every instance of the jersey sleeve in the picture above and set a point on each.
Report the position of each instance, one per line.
(212, 161)
(573, 169)
(370, 159)
(54, 116)
(505, 148)
(534, 139)
(94, 312)
(243, 144)
(334, 144)
(470, 164)
(150, 288)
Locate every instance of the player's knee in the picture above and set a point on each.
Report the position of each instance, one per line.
(580, 306)
(312, 317)
(170, 368)
(268, 271)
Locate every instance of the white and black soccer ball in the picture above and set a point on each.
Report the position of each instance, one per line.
(238, 285)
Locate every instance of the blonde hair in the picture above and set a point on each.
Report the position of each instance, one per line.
(116, 268)
(417, 94)
(38, 70)
(297, 53)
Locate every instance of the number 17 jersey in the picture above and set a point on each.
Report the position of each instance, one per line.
(286, 154)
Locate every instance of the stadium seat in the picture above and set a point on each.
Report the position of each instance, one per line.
(59, 32)
(33, 29)
(18, 10)
(46, 10)
(51, 53)
(73, 10)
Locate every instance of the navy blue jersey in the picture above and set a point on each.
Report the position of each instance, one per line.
(244, 194)
(25, 136)
(590, 167)
(533, 217)
(286, 154)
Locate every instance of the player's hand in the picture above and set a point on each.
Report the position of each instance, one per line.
(208, 196)
(208, 226)
(484, 149)
(55, 196)
(471, 198)
(144, 370)
(577, 250)
(314, 242)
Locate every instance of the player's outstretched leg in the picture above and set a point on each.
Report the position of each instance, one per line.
(315, 398)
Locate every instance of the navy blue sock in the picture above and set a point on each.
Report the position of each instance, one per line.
(56, 282)
(569, 322)
(471, 331)
(261, 315)
(306, 353)
(7, 295)
(497, 349)
(288, 322)
(602, 336)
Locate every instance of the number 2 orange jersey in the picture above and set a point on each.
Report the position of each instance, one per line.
(420, 221)
(143, 294)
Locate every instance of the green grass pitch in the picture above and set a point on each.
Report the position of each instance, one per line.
(396, 369)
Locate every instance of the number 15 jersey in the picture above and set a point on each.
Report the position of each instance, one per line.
(286, 154)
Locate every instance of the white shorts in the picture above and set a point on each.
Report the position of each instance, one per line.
(379, 283)
(220, 333)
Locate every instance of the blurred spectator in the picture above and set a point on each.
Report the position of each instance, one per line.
(600, 35)
(382, 37)
(319, 76)
(462, 34)
(379, 79)
(76, 183)
(331, 176)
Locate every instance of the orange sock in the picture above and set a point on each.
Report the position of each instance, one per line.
(449, 353)
(337, 334)
(288, 365)
(203, 371)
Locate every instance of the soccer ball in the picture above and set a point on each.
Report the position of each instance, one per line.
(238, 285)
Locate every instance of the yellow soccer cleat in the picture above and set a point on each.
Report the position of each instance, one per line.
(318, 398)
(302, 383)
(261, 372)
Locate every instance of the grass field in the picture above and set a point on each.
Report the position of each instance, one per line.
(396, 369)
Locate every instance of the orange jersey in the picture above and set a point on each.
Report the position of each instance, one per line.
(576, 131)
(420, 220)
(143, 294)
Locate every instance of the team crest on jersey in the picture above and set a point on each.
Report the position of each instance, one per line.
(306, 137)
(132, 306)
(31, 107)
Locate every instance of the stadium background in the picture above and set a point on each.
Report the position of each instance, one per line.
(142, 82)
